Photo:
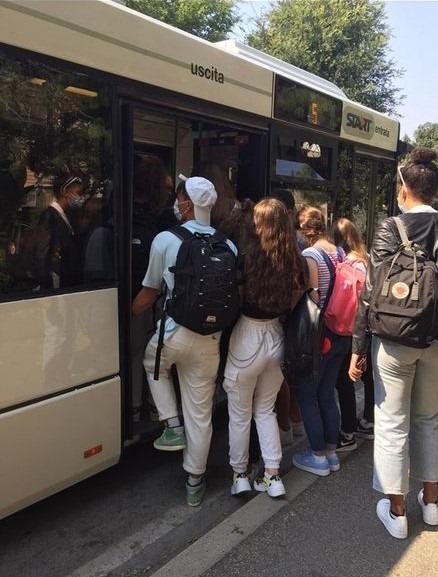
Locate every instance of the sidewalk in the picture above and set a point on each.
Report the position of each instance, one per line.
(324, 528)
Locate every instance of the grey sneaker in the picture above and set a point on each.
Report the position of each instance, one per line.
(170, 440)
(194, 495)
(365, 430)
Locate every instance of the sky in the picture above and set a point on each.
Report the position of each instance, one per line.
(414, 47)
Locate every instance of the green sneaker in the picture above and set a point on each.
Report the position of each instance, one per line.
(170, 440)
(195, 494)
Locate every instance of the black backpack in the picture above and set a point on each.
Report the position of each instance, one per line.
(27, 251)
(404, 302)
(205, 298)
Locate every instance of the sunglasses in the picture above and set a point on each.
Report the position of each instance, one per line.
(71, 180)
(402, 180)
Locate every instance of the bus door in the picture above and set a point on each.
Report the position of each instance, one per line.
(372, 192)
(233, 157)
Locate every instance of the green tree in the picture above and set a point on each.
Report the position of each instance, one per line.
(208, 19)
(427, 135)
(344, 41)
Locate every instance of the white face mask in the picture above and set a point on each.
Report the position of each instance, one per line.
(77, 202)
(180, 215)
(401, 207)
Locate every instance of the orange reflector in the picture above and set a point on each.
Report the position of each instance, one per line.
(93, 451)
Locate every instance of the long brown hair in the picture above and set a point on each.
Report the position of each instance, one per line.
(347, 235)
(274, 268)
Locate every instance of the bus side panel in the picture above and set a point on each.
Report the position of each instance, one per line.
(50, 445)
(52, 344)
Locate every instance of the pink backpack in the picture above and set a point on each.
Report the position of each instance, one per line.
(349, 278)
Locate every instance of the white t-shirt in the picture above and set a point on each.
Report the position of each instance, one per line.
(163, 253)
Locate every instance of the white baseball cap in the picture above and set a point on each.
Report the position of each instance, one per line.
(202, 194)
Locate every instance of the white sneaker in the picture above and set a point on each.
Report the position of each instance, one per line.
(273, 486)
(430, 511)
(240, 484)
(396, 526)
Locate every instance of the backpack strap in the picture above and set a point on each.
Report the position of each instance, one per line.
(160, 337)
(406, 243)
(219, 237)
(332, 271)
(181, 232)
(402, 232)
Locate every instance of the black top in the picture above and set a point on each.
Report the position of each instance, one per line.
(62, 255)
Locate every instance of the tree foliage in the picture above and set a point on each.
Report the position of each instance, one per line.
(427, 135)
(344, 41)
(208, 19)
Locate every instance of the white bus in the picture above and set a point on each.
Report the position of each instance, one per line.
(90, 85)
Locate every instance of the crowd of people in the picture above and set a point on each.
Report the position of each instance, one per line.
(282, 255)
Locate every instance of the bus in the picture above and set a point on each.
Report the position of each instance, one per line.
(92, 85)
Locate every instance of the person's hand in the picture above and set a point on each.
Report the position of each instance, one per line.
(358, 365)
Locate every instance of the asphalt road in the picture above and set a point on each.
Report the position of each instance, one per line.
(132, 521)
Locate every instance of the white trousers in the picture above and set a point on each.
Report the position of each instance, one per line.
(142, 328)
(406, 415)
(252, 380)
(196, 358)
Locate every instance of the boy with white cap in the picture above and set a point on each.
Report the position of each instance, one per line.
(195, 356)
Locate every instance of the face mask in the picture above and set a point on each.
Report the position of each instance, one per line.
(77, 202)
(179, 215)
(401, 207)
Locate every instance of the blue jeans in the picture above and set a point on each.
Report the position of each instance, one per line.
(316, 397)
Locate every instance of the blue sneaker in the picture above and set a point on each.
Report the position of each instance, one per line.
(333, 461)
(310, 463)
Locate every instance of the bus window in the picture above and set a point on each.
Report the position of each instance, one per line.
(302, 159)
(55, 145)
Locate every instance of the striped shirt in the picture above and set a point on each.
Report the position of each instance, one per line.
(323, 270)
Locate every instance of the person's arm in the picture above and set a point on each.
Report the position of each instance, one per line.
(153, 278)
(313, 278)
(144, 300)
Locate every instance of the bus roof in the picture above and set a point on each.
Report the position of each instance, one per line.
(281, 68)
(108, 36)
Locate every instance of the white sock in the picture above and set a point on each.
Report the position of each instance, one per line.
(319, 458)
(175, 424)
(194, 481)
